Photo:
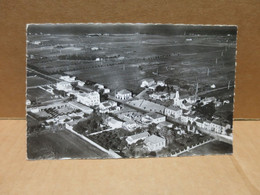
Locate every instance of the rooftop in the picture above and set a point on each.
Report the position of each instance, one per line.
(154, 139)
(139, 136)
(123, 91)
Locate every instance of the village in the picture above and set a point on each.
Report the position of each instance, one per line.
(158, 121)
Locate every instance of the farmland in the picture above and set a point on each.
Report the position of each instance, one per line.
(122, 60)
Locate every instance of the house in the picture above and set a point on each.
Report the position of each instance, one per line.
(173, 111)
(106, 91)
(152, 87)
(64, 86)
(147, 82)
(199, 123)
(89, 99)
(130, 125)
(106, 107)
(191, 118)
(208, 100)
(80, 83)
(184, 119)
(134, 138)
(217, 126)
(186, 106)
(164, 124)
(113, 123)
(160, 83)
(155, 143)
(153, 118)
(148, 105)
(99, 86)
(163, 96)
(123, 94)
(207, 125)
(68, 78)
(81, 107)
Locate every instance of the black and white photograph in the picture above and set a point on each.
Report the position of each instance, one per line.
(102, 91)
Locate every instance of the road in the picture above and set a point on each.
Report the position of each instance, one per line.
(61, 144)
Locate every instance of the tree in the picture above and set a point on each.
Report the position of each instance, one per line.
(228, 131)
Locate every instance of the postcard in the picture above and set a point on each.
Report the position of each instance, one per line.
(98, 91)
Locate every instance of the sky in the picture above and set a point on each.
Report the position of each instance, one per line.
(156, 29)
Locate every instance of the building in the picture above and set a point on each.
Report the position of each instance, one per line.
(160, 83)
(208, 100)
(89, 99)
(99, 86)
(155, 143)
(199, 123)
(81, 107)
(130, 125)
(64, 86)
(207, 125)
(163, 96)
(106, 91)
(68, 78)
(153, 117)
(114, 124)
(123, 94)
(107, 106)
(148, 106)
(80, 83)
(173, 111)
(164, 124)
(147, 82)
(134, 138)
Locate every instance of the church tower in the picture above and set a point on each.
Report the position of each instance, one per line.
(177, 97)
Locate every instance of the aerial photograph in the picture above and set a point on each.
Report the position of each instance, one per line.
(99, 91)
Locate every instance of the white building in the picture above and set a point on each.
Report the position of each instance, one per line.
(130, 125)
(160, 83)
(163, 96)
(147, 82)
(154, 118)
(134, 138)
(123, 94)
(99, 86)
(155, 143)
(108, 106)
(173, 111)
(68, 78)
(80, 83)
(64, 86)
(89, 99)
(164, 124)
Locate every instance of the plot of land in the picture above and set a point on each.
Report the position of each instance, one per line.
(61, 144)
(37, 81)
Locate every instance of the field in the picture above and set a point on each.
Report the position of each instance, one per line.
(37, 81)
(123, 60)
(60, 144)
(39, 95)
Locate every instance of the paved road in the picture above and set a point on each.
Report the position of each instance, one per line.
(61, 144)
